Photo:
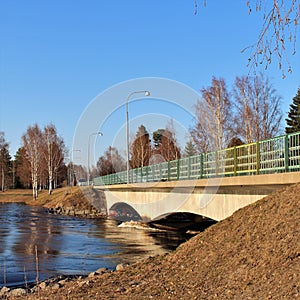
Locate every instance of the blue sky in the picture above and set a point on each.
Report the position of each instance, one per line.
(57, 56)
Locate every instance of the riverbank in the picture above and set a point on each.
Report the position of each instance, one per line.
(73, 201)
(254, 254)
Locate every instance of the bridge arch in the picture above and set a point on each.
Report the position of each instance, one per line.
(181, 221)
(123, 212)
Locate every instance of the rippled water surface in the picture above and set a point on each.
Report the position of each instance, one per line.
(67, 245)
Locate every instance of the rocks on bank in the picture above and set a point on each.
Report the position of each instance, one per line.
(73, 211)
(80, 202)
(51, 284)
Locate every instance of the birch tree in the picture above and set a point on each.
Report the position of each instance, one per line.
(32, 143)
(111, 162)
(213, 124)
(140, 149)
(53, 153)
(280, 20)
(258, 108)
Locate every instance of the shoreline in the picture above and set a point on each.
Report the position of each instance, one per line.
(253, 254)
(71, 201)
(62, 201)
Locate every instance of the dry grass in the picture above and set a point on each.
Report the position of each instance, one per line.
(44, 199)
(16, 196)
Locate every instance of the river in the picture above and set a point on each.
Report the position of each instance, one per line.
(68, 245)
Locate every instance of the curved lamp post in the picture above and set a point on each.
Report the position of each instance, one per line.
(146, 93)
(88, 166)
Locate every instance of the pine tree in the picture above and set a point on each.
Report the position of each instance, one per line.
(293, 119)
(4, 162)
(190, 149)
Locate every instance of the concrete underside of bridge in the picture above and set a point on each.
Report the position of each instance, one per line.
(215, 198)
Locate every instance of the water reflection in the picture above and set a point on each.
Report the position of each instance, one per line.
(68, 245)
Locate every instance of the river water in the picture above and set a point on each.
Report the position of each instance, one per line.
(68, 245)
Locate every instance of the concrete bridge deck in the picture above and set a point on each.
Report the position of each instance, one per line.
(215, 198)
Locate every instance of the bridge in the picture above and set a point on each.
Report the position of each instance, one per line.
(211, 185)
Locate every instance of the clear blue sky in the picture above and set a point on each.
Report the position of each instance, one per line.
(57, 56)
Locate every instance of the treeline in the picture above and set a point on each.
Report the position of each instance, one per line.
(143, 151)
(248, 112)
(39, 162)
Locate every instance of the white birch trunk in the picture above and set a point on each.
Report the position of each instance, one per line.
(2, 179)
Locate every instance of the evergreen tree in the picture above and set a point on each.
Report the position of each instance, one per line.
(190, 149)
(22, 169)
(5, 162)
(157, 135)
(293, 119)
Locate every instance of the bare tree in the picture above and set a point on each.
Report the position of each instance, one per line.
(213, 124)
(258, 108)
(280, 23)
(168, 148)
(53, 153)
(199, 135)
(140, 148)
(32, 143)
(165, 143)
(111, 162)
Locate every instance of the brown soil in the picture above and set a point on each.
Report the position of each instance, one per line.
(254, 254)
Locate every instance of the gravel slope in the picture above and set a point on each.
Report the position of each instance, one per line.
(254, 254)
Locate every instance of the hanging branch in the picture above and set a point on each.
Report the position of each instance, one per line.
(280, 24)
(279, 27)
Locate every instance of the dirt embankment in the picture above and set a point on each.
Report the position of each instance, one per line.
(75, 201)
(254, 254)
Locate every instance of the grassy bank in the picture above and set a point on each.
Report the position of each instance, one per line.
(60, 195)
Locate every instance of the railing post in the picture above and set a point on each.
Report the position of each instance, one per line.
(169, 170)
(147, 171)
(217, 163)
(189, 167)
(160, 172)
(152, 169)
(234, 161)
(178, 168)
(201, 165)
(286, 153)
(257, 158)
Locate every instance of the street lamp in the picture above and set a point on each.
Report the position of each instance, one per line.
(72, 172)
(88, 166)
(146, 93)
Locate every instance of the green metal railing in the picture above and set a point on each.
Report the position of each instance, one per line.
(279, 154)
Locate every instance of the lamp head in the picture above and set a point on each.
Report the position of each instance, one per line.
(147, 93)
